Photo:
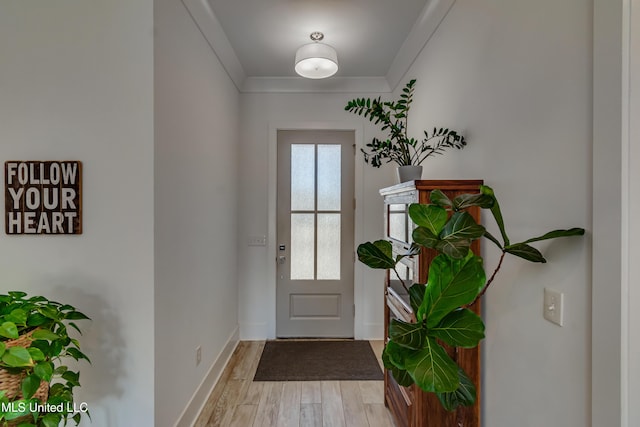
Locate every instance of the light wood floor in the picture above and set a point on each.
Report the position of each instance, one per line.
(238, 401)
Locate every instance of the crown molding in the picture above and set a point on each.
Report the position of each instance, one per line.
(212, 31)
(302, 85)
(426, 25)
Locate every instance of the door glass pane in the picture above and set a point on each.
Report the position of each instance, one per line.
(329, 177)
(302, 246)
(302, 177)
(329, 246)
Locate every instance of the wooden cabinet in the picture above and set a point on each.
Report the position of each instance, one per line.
(410, 406)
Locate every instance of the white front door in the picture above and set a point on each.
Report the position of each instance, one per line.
(315, 214)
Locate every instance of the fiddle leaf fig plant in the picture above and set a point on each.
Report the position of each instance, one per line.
(399, 147)
(456, 280)
(41, 328)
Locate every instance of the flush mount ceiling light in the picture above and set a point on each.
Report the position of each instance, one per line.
(316, 60)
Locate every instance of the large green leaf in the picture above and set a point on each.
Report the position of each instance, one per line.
(557, 233)
(17, 316)
(425, 237)
(30, 385)
(377, 254)
(454, 247)
(49, 312)
(525, 251)
(77, 354)
(44, 370)
(416, 296)
(465, 395)
(452, 284)
(495, 211)
(9, 330)
(394, 355)
(429, 216)
(52, 419)
(464, 201)
(431, 368)
(460, 328)
(44, 334)
(17, 357)
(401, 376)
(76, 315)
(36, 319)
(458, 233)
(72, 378)
(55, 348)
(490, 237)
(409, 335)
(36, 354)
(437, 197)
(17, 294)
(462, 226)
(42, 345)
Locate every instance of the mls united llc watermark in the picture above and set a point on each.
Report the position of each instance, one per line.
(37, 407)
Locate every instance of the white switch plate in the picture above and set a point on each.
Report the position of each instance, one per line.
(553, 305)
(257, 240)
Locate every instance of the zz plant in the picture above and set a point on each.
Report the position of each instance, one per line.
(456, 280)
(40, 359)
(399, 147)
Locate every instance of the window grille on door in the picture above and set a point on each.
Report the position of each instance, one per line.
(315, 211)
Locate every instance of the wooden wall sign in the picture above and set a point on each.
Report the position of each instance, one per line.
(43, 197)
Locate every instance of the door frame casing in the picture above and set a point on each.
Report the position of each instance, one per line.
(359, 329)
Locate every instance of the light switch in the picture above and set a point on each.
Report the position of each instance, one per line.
(553, 305)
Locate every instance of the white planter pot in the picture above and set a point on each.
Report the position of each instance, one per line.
(409, 173)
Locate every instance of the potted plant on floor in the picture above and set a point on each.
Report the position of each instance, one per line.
(456, 280)
(407, 152)
(36, 387)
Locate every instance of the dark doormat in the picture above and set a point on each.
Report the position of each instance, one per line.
(318, 361)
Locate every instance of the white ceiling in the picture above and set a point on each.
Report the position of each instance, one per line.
(376, 40)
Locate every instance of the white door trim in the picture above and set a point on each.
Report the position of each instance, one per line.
(615, 371)
(358, 285)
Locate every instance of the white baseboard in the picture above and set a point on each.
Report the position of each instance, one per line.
(199, 398)
(372, 331)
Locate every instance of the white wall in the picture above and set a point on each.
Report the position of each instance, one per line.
(76, 82)
(633, 331)
(262, 114)
(196, 134)
(515, 77)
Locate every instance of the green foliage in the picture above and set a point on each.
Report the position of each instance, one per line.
(41, 359)
(456, 279)
(392, 116)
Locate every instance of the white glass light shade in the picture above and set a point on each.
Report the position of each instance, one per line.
(316, 61)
